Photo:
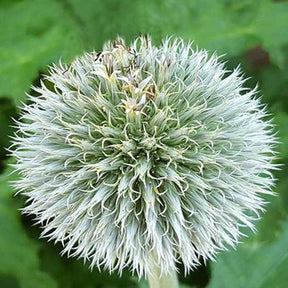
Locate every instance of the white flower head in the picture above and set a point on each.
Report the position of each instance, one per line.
(141, 152)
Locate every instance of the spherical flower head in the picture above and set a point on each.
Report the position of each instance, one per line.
(140, 153)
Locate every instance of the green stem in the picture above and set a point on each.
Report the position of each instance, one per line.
(165, 281)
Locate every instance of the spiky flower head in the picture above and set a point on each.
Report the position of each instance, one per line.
(140, 152)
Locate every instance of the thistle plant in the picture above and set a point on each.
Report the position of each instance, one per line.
(143, 157)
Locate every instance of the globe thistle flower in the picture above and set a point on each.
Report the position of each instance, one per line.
(139, 154)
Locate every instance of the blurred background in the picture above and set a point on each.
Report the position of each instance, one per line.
(36, 33)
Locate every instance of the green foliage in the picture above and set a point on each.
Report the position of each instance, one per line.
(253, 266)
(18, 252)
(36, 33)
(7, 111)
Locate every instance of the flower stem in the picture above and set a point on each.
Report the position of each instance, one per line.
(165, 281)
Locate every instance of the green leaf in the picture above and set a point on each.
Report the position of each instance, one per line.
(270, 227)
(19, 254)
(270, 25)
(253, 266)
(33, 34)
(72, 273)
(281, 123)
(232, 28)
(7, 111)
(189, 19)
(273, 82)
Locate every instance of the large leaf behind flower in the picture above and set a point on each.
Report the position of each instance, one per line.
(33, 34)
(228, 26)
(19, 262)
(253, 265)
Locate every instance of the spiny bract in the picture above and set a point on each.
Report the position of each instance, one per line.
(139, 152)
